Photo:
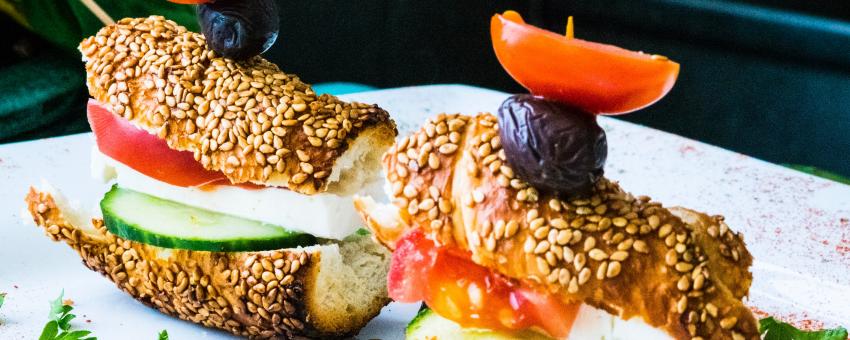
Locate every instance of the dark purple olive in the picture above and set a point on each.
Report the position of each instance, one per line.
(556, 148)
(239, 29)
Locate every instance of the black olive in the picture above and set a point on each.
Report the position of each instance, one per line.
(239, 29)
(556, 148)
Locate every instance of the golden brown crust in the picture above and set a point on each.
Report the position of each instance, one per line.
(247, 119)
(252, 294)
(679, 270)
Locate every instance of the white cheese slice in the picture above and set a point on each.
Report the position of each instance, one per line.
(323, 215)
(596, 324)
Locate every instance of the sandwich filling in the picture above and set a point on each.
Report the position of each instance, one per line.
(477, 300)
(331, 216)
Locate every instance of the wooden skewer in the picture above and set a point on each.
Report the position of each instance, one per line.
(98, 12)
(570, 32)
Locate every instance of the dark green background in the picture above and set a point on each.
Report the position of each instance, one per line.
(765, 81)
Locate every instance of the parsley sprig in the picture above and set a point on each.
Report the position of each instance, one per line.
(59, 326)
(771, 329)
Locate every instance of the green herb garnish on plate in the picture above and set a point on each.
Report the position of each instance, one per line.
(59, 326)
(163, 335)
(771, 329)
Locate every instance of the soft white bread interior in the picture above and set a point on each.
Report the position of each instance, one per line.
(328, 290)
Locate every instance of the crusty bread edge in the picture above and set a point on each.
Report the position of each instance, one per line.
(228, 291)
(138, 68)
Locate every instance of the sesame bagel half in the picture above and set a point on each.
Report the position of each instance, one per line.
(247, 119)
(326, 291)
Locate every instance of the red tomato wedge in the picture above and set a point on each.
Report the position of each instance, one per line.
(599, 78)
(471, 295)
(144, 152)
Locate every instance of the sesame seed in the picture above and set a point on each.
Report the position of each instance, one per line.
(576, 237)
(601, 271)
(619, 256)
(529, 245)
(640, 246)
(684, 283)
(413, 207)
(728, 322)
(564, 276)
(665, 230)
(670, 240)
(711, 309)
(671, 258)
(448, 148)
(579, 261)
(543, 266)
(654, 221)
(604, 223)
(573, 286)
(589, 243)
(584, 276)
(626, 244)
(699, 282)
(531, 215)
(541, 247)
(541, 232)
(682, 304)
(563, 237)
(597, 254)
(683, 267)
(619, 222)
(511, 229)
(614, 268)
(558, 223)
(536, 223)
(410, 191)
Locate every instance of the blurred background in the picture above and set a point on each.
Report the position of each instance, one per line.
(768, 78)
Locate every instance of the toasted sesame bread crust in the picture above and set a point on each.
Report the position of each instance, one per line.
(678, 270)
(251, 294)
(246, 119)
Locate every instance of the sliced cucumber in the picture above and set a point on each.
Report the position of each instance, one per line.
(147, 219)
(429, 325)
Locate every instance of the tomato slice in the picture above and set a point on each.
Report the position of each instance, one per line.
(471, 295)
(144, 152)
(599, 78)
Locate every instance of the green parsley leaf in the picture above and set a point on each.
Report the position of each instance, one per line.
(59, 325)
(50, 331)
(57, 308)
(2, 298)
(771, 329)
(163, 335)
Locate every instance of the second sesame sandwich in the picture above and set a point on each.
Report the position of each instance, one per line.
(230, 184)
(505, 226)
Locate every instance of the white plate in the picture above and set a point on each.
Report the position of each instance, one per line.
(797, 226)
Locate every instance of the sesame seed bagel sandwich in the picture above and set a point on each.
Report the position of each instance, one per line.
(506, 227)
(228, 188)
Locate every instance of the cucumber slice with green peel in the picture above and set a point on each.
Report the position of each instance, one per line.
(430, 325)
(143, 218)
